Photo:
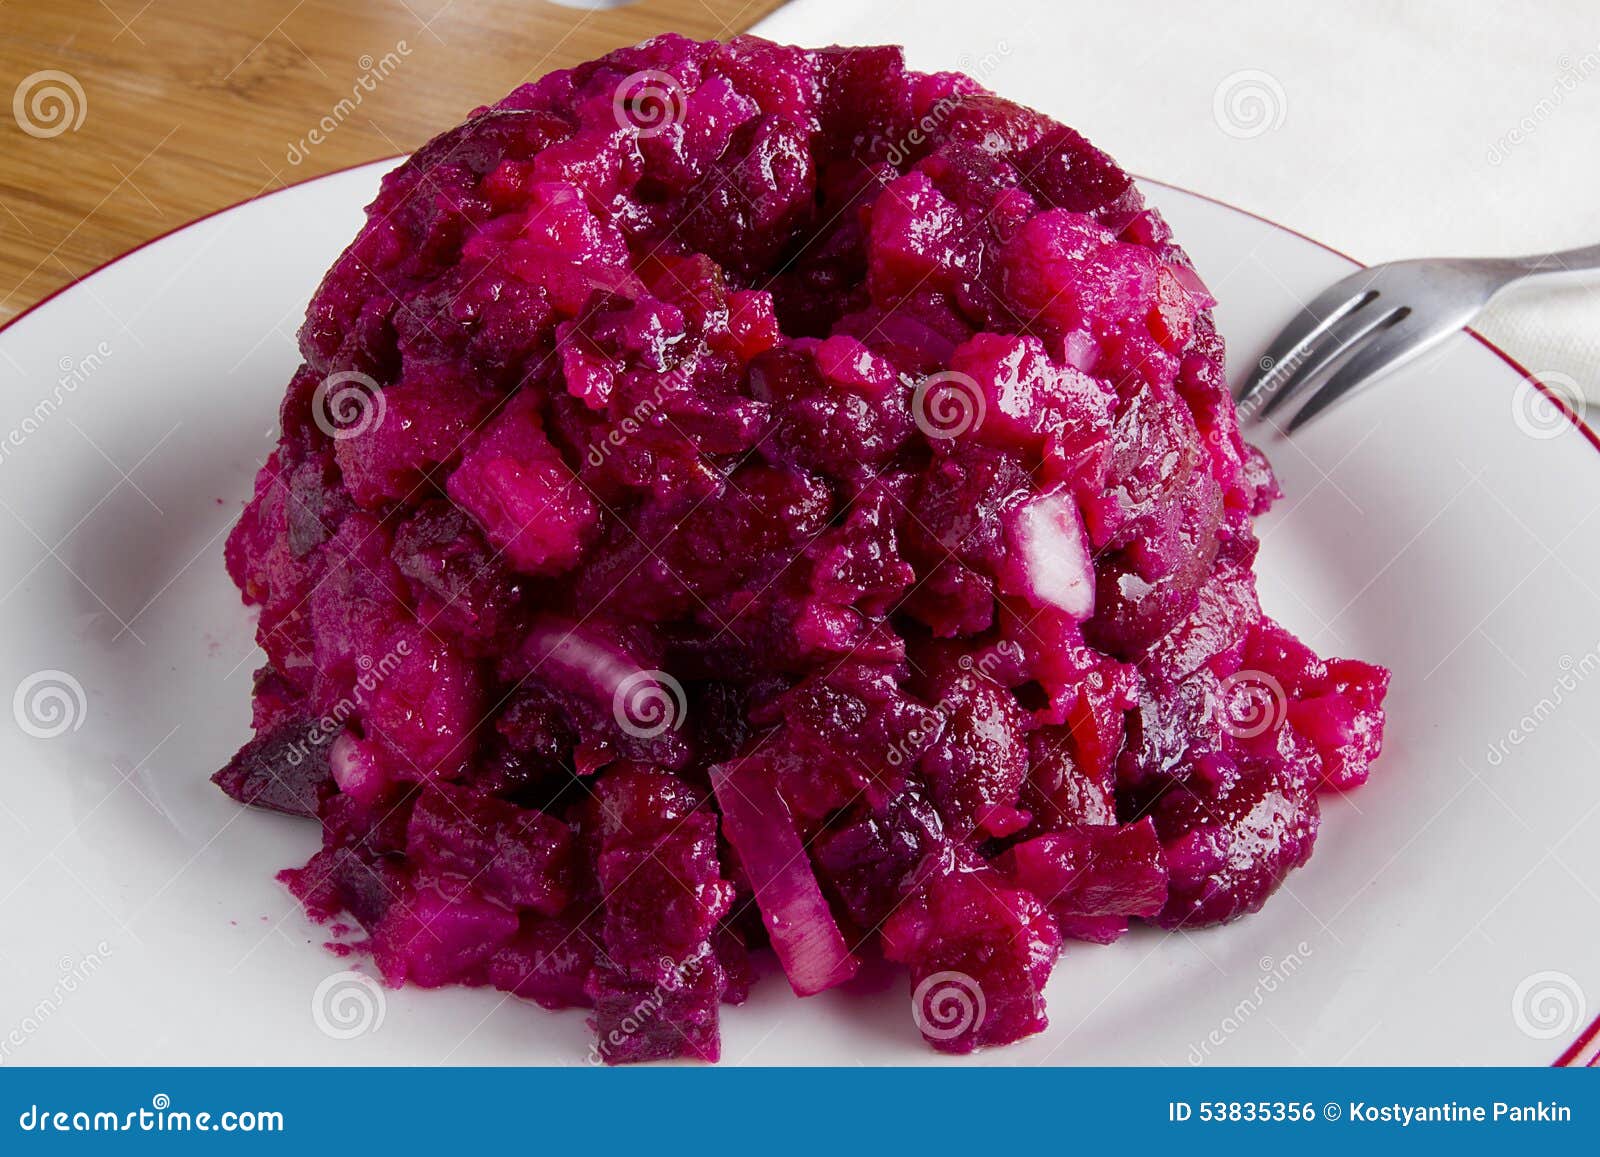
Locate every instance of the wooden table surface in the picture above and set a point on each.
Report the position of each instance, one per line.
(130, 117)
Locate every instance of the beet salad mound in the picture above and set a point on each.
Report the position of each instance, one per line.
(739, 496)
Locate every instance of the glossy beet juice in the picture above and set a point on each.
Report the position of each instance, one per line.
(742, 496)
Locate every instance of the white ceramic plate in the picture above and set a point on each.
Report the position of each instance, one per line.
(1442, 524)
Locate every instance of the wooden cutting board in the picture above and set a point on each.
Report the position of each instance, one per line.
(129, 118)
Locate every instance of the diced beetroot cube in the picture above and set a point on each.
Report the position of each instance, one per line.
(866, 862)
(980, 952)
(347, 879)
(436, 935)
(1102, 870)
(460, 584)
(1043, 261)
(356, 605)
(404, 431)
(1060, 791)
(515, 856)
(916, 237)
(1345, 727)
(1228, 848)
(849, 734)
(657, 986)
(977, 765)
(1065, 170)
(1024, 396)
(638, 1020)
(284, 769)
(664, 895)
(528, 501)
(425, 703)
(548, 962)
(752, 327)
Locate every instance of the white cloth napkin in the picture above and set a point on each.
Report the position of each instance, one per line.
(1384, 129)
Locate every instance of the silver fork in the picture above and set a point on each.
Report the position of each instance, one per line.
(1380, 318)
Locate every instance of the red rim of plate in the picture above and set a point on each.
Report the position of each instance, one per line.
(1589, 1037)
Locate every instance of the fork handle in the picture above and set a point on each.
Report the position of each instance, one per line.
(1582, 260)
